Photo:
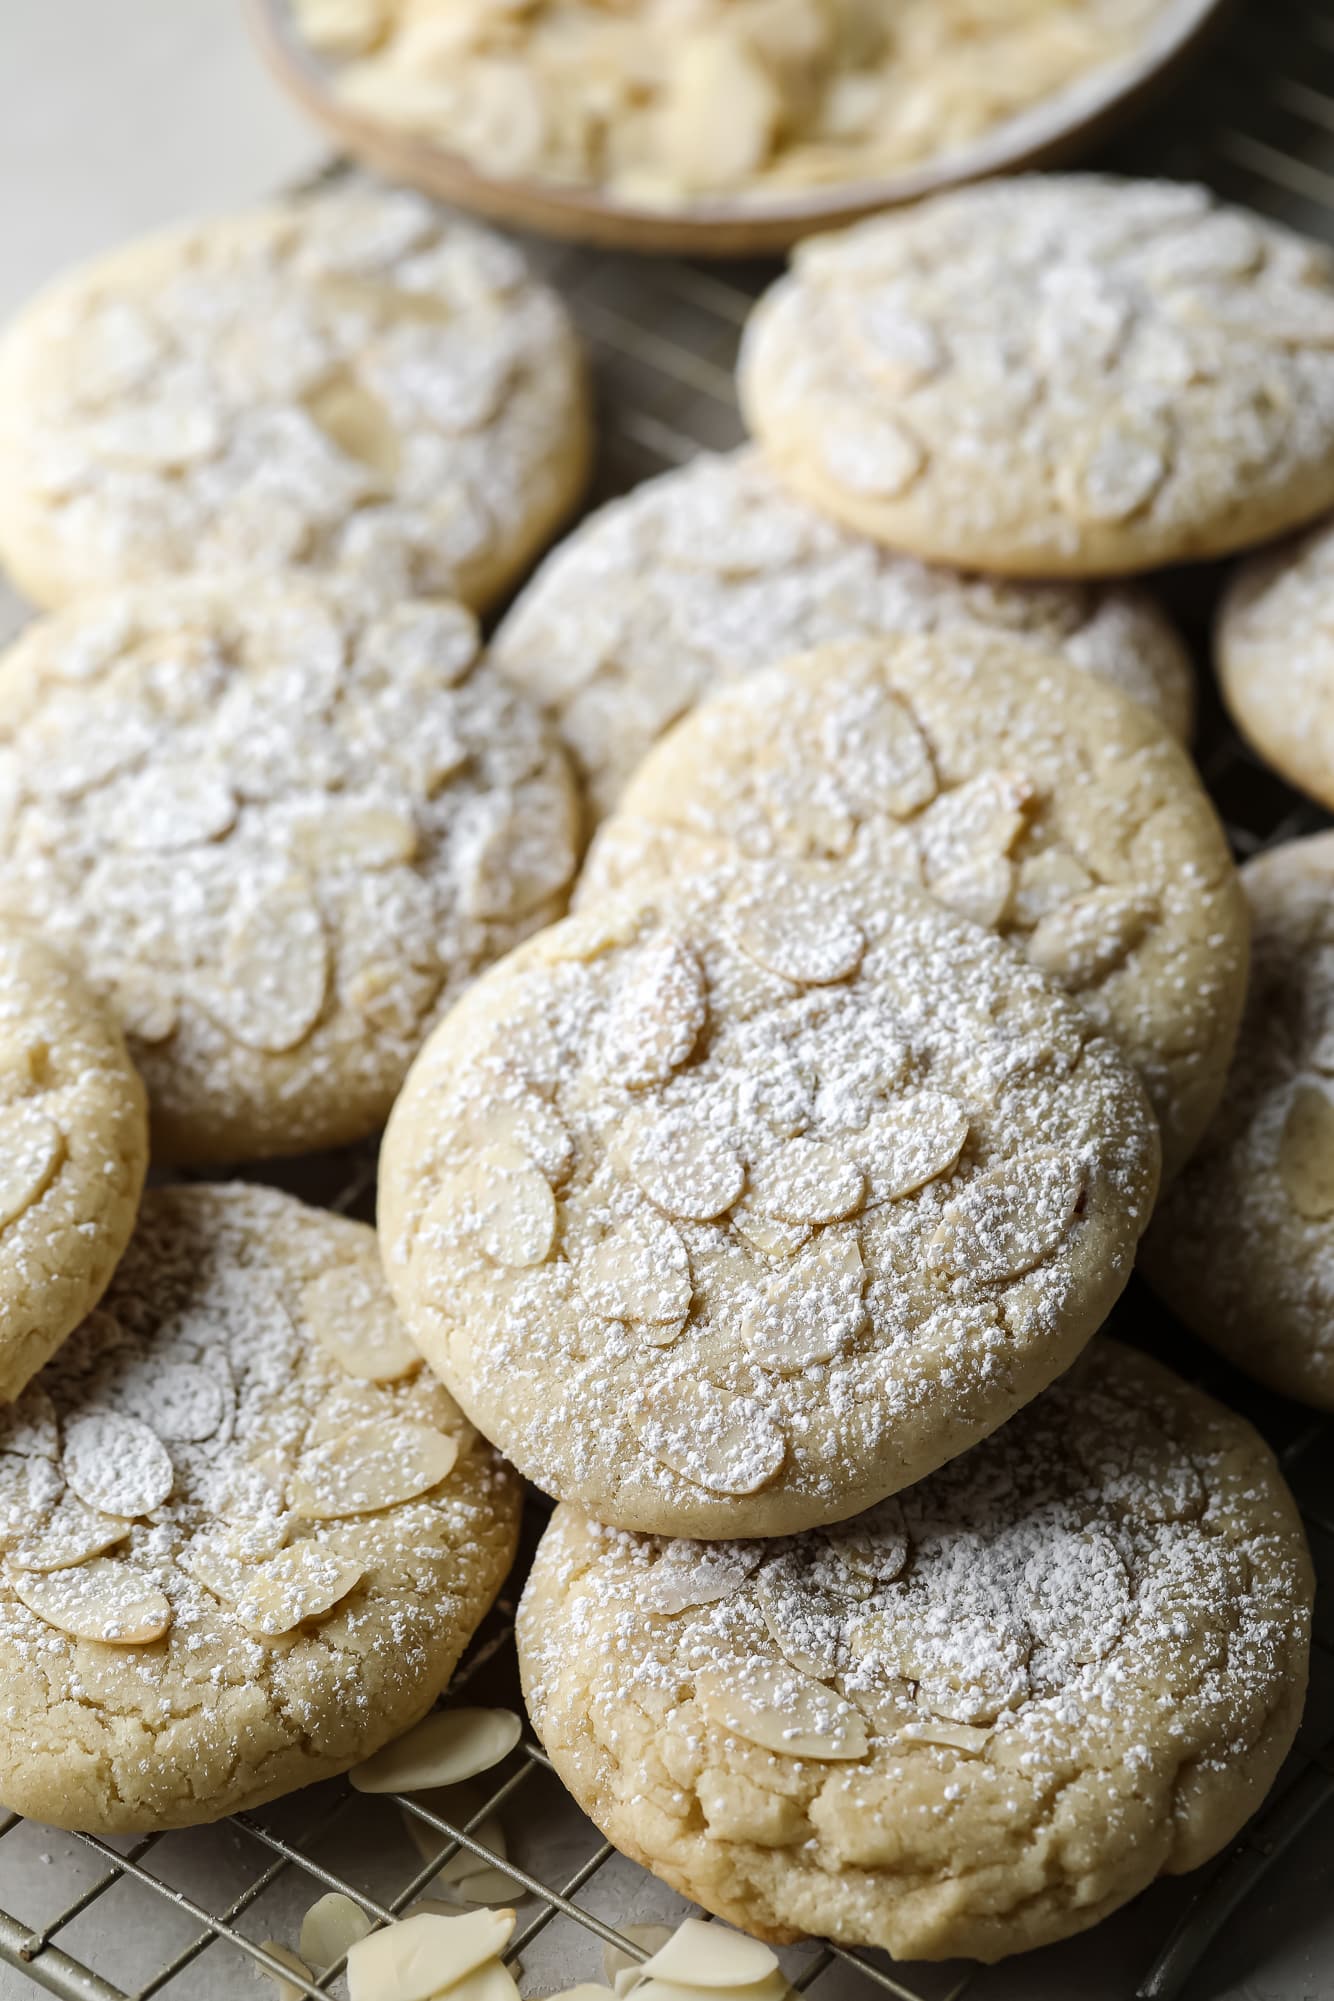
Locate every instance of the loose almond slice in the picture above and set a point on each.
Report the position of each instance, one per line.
(447, 1746)
(287, 1989)
(774, 1988)
(656, 1015)
(71, 1535)
(638, 1271)
(808, 1311)
(725, 1443)
(501, 1200)
(274, 972)
(1087, 939)
(650, 1937)
(373, 1465)
(587, 1990)
(103, 1600)
(32, 1147)
(457, 1804)
(1306, 1153)
(682, 1166)
(907, 1143)
(28, 1426)
(177, 1400)
(353, 1319)
(783, 1711)
(424, 1956)
(116, 1464)
(709, 1955)
(804, 939)
(489, 1886)
(807, 1181)
(1008, 1219)
(491, 1982)
(330, 1928)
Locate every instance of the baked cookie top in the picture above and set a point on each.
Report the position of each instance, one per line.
(1056, 375)
(245, 1535)
(1275, 658)
(738, 1212)
(355, 382)
(706, 573)
(972, 1721)
(1243, 1247)
(1034, 799)
(280, 828)
(74, 1133)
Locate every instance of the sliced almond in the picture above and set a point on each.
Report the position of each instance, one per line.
(489, 1886)
(353, 1318)
(491, 1982)
(102, 1600)
(591, 1990)
(1087, 939)
(908, 1142)
(804, 939)
(145, 1007)
(287, 1989)
(727, 1444)
(71, 1534)
(804, 1623)
(330, 1928)
(301, 1583)
(878, 456)
(116, 1464)
(373, 1465)
(1120, 469)
(881, 757)
(423, 644)
(657, 1013)
(178, 1400)
(682, 1166)
(28, 1426)
(456, 1804)
(424, 1956)
(614, 1961)
(173, 806)
(808, 1311)
(688, 1574)
(361, 837)
(783, 1711)
(499, 1199)
(271, 984)
(1008, 1219)
(1306, 1153)
(971, 1738)
(33, 1148)
(980, 889)
(807, 1181)
(1079, 1595)
(444, 1748)
(639, 1271)
(705, 1955)
(984, 816)
(768, 1236)
(30, 1488)
(527, 1123)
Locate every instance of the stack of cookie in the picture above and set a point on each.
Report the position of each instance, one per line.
(762, 1210)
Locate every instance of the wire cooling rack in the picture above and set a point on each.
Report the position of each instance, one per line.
(184, 1915)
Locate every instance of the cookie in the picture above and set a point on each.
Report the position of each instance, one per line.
(706, 573)
(1243, 1247)
(75, 1152)
(246, 1536)
(972, 1721)
(1034, 799)
(355, 382)
(280, 828)
(1073, 376)
(733, 1213)
(665, 109)
(1275, 658)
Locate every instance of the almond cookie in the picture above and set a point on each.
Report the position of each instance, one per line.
(75, 1152)
(1275, 655)
(280, 828)
(356, 382)
(1056, 375)
(974, 1720)
(1032, 798)
(736, 1212)
(706, 573)
(245, 1535)
(1243, 1247)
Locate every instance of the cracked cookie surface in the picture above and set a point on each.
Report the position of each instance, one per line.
(244, 1536)
(741, 1211)
(279, 829)
(974, 1720)
(354, 382)
(1031, 798)
(75, 1151)
(1058, 375)
(1242, 1248)
(1275, 658)
(704, 574)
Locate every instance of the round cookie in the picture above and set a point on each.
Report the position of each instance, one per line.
(735, 1213)
(708, 572)
(74, 1147)
(1034, 799)
(973, 1721)
(1058, 375)
(1242, 1248)
(280, 828)
(355, 381)
(1275, 656)
(246, 1535)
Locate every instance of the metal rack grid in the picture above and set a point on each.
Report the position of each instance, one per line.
(1260, 127)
